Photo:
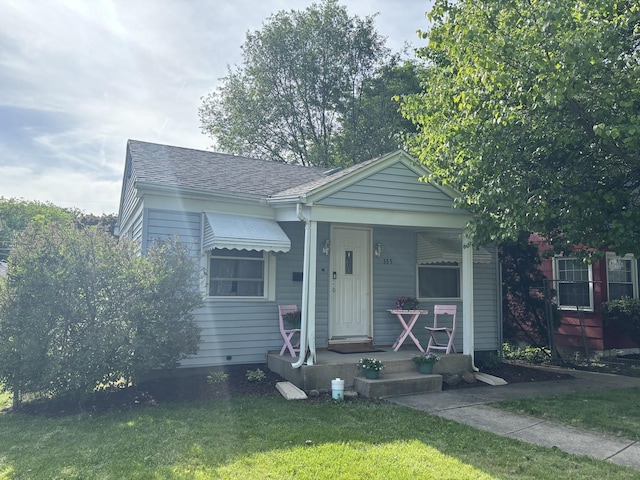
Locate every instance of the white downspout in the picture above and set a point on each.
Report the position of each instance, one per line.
(307, 321)
(468, 345)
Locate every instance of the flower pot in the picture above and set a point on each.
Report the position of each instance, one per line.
(425, 368)
(371, 374)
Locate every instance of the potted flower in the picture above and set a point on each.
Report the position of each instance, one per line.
(425, 362)
(407, 303)
(292, 318)
(371, 367)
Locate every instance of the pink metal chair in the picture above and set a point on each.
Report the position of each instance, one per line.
(288, 333)
(434, 343)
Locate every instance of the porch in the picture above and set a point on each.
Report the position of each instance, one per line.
(399, 377)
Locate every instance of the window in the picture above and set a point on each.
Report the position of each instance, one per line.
(439, 280)
(237, 273)
(574, 284)
(622, 280)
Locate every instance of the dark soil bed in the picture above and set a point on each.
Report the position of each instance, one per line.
(519, 373)
(198, 388)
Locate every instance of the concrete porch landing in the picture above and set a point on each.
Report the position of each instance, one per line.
(399, 377)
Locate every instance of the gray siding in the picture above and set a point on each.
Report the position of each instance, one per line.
(242, 331)
(235, 332)
(486, 303)
(168, 223)
(395, 188)
(394, 275)
(128, 195)
(136, 229)
(290, 291)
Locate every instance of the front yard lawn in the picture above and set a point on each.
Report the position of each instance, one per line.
(616, 412)
(269, 437)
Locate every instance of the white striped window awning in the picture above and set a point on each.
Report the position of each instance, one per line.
(431, 249)
(243, 233)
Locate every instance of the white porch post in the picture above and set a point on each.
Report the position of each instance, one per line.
(308, 320)
(467, 298)
(311, 290)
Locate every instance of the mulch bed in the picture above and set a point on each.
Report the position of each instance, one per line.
(197, 388)
(515, 373)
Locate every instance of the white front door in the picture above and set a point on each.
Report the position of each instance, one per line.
(350, 290)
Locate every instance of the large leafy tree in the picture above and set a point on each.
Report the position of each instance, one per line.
(524, 308)
(79, 310)
(301, 85)
(531, 110)
(373, 124)
(16, 214)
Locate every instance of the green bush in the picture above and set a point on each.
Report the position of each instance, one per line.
(78, 310)
(624, 316)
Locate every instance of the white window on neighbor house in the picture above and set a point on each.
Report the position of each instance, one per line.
(240, 273)
(440, 280)
(622, 277)
(574, 283)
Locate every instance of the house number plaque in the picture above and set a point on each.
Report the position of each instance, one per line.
(348, 262)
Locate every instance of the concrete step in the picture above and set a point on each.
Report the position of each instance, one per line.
(394, 384)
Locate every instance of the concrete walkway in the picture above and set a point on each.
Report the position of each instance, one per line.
(471, 407)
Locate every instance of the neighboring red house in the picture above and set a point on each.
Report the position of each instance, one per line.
(581, 289)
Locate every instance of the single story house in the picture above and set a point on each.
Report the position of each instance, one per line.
(581, 289)
(342, 244)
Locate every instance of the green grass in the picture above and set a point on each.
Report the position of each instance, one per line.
(5, 398)
(269, 437)
(615, 412)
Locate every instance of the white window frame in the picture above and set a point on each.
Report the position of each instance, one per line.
(446, 266)
(558, 283)
(268, 275)
(634, 273)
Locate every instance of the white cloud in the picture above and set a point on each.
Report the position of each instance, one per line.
(78, 78)
(70, 189)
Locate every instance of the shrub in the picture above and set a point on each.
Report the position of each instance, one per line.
(528, 353)
(78, 310)
(624, 316)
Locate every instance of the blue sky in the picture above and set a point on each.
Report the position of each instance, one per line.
(79, 78)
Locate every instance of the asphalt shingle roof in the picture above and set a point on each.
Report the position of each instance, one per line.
(187, 168)
(322, 181)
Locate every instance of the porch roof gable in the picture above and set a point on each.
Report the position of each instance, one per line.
(333, 182)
